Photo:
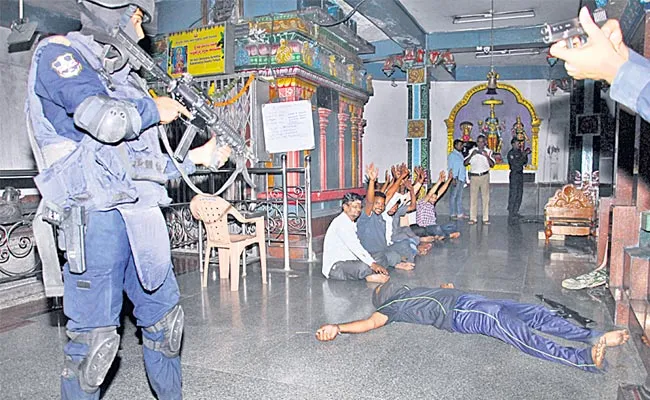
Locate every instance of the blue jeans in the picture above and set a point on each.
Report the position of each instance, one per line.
(456, 199)
(515, 323)
(435, 230)
(94, 299)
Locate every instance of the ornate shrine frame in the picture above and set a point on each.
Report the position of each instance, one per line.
(535, 122)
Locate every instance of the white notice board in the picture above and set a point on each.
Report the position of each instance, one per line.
(288, 126)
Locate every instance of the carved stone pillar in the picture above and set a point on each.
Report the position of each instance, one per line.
(362, 132)
(419, 125)
(343, 124)
(354, 127)
(323, 121)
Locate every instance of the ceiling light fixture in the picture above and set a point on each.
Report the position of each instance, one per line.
(490, 16)
(508, 52)
(492, 76)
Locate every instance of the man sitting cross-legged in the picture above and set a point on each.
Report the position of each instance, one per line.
(344, 258)
(371, 226)
(507, 320)
(426, 220)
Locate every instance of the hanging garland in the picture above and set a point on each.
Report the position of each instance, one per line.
(237, 96)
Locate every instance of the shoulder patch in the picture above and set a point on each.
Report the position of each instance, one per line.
(59, 39)
(66, 66)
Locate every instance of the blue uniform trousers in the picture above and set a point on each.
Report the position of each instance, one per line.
(94, 299)
(515, 323)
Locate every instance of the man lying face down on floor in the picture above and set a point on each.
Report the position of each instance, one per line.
(507, 320)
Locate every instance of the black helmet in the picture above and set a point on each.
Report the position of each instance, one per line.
(114, 10)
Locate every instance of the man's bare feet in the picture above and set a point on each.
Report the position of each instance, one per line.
(615, 338)
(405, 266)
(447, 285)
(645, 340)
(377, 278)
(454, 235)
(598, 354)
(427, 239)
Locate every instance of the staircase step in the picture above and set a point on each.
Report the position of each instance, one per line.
(20, 292)
(637, 272)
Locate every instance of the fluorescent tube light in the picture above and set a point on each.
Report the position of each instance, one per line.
(508, 52)
(497, 16)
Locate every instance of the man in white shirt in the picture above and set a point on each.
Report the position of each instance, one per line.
(344, 258)
(480, 161)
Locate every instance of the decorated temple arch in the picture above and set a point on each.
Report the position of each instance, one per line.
(499, 118)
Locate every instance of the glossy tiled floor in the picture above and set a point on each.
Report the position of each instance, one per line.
(259, 343)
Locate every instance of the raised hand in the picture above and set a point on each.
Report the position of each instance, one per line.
(408, 185)
(450, 174)
(421, 175)
(600, 58)
(394, 171)
(372, 172)
(441, 176)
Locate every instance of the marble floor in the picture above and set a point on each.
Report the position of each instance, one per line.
(259, 343)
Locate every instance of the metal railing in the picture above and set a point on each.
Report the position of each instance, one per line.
(17, 258)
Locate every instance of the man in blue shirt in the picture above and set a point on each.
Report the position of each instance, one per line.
(371, 226)
(605, 56)
(455, 165)
(507, 320)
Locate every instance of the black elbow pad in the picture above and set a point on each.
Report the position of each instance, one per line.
(108, 120)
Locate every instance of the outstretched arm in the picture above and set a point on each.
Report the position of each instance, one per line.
(387, 182)
(330, 332)
(413, 204)
(436, 186)
(403, 173)
(445, 186)
(372, 173)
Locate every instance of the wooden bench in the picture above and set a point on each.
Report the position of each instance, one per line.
(569, 212)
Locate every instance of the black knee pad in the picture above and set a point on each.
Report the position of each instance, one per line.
(103, 344)
(172, 327)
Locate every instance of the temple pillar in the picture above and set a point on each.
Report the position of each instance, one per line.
(323, 119)
(343, 125)
(354, 127)
(362, 132)
(418, 131)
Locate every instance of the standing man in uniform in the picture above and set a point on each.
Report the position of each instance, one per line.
(480, 161)
(517, 158)
(97, 131)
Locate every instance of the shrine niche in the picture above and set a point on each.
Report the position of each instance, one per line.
(499, 118)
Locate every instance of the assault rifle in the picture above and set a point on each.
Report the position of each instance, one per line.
(204, 119)
(565, 312)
